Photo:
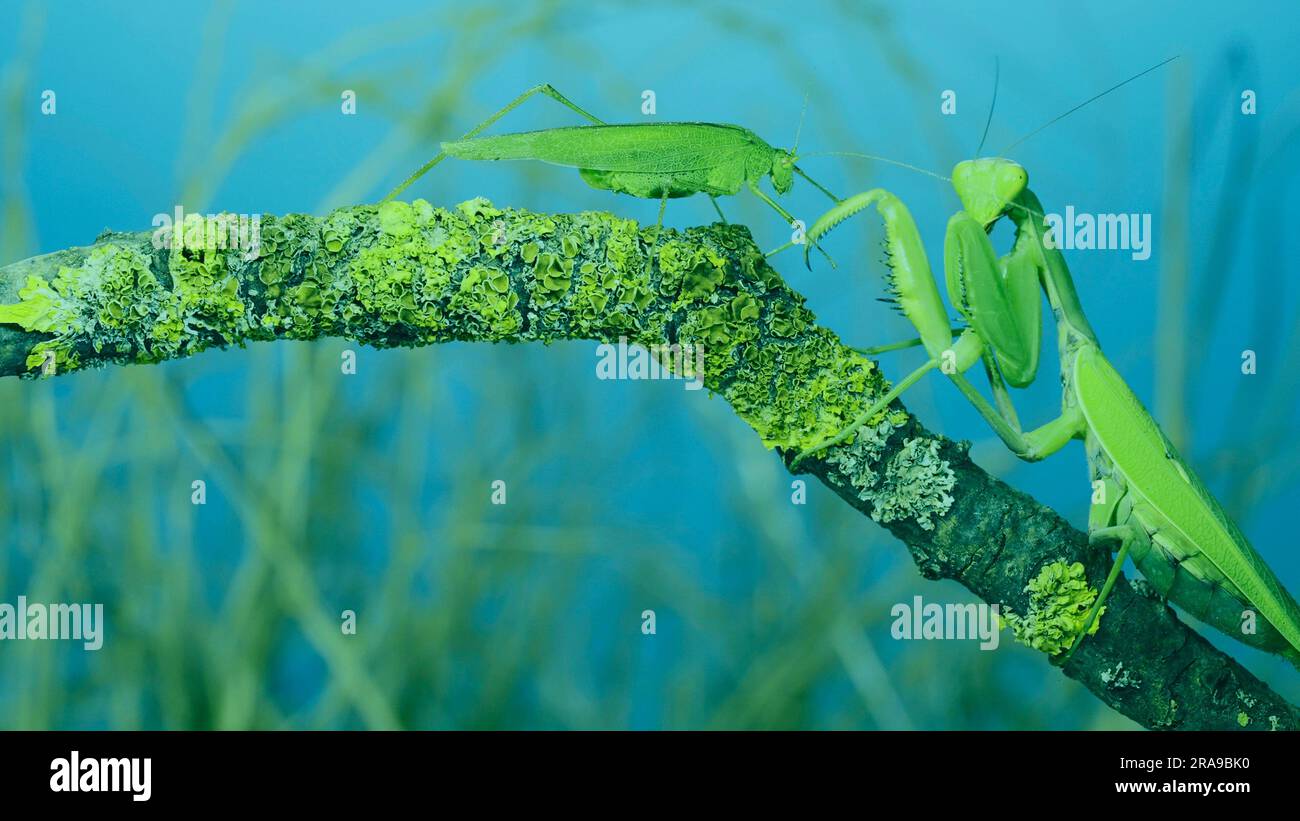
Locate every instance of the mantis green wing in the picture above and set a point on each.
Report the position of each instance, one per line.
(1175, 506)
(1003, 304)
(643, 148)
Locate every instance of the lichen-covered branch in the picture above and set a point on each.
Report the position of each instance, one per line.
(412, 274)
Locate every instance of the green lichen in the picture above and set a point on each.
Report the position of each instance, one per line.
(1059, 600)
(552, 276)
(411, 274)
(206, 288)
(486, 302)
(1243, 719)
(111, 306)
(799, 393)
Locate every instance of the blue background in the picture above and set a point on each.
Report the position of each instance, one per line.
(371, 492)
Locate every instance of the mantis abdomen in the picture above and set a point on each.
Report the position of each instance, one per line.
(1179, 537)
(1180, 572)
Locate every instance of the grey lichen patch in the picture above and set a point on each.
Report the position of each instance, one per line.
(859, 461)
(1143, 588)
(915, 483)
(1059, 600)
(1119, 677)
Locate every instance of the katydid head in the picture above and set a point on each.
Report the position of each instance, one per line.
(782, 170)
(987, 186)
(783, 162)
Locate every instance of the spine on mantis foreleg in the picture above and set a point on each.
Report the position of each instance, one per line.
(911, 284)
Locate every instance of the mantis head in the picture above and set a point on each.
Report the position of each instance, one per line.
(987, 186)
(783, 170)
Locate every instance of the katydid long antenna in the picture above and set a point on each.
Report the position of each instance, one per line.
(799, 131)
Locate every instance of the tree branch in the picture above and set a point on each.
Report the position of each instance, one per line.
(704, 301)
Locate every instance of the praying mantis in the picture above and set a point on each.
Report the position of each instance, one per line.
(1146, 497)
(649, 160)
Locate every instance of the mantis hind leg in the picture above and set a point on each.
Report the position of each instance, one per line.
(545, 89)
(1127, 534)
(914, 342)
(864, 417)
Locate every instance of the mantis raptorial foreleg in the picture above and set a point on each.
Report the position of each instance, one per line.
(1033, 445)
(917, 295)
(1000, 294)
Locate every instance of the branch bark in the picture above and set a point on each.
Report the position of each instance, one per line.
(411, 274)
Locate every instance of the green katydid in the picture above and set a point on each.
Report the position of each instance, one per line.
(1146, 497)
(649, 160)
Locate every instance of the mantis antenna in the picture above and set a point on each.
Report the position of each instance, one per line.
(992, 105)
(1091, 99)
(997, 72)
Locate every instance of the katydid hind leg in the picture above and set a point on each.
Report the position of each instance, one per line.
(545, 89)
